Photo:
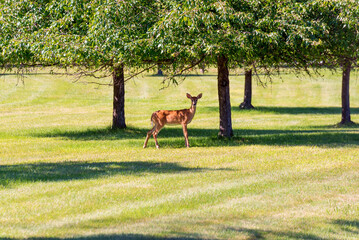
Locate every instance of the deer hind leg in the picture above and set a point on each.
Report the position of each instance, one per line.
(149, 133)
(185, 134)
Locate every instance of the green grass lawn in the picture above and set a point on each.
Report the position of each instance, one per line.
(288, 173)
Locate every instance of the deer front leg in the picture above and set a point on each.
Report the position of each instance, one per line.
(185, 133)
(155, 137)
(157, 129)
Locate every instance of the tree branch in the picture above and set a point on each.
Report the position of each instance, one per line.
(138, 73)
(189, 67)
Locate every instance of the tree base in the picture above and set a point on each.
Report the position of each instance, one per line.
(347, 124)
(159, 73)
(222, 135)
(246, 105)
(121, 126)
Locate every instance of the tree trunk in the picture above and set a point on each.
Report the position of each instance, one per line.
(159, 70)
(118, 120)
(345, 94)
(202, 68)
(247, 102)
(225, 119)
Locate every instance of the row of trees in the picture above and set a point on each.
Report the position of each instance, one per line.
(102, 37)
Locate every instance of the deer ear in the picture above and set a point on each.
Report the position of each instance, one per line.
(188, 95)
(199, 96)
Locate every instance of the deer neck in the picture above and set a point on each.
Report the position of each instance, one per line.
(193, 109)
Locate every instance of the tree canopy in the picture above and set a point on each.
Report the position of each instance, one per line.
(105, 36)
(338, 41)
(233, 33)
(97, 38)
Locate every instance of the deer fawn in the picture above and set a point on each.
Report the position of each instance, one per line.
(162, 117)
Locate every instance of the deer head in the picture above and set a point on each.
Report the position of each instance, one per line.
(194, 99)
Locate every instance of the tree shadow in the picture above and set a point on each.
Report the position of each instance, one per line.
(288, 110)
(254, 234)
(172, 137)
(320, 138)
(350, 226)
(304, 110)
(95, 134)
(270, 234)
(66, 171)
(116, 237)
(209, 138)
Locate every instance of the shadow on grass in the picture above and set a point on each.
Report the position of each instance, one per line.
(96, 134)
(325, 138)
(247, 233)
(172, 137)
(302, 110)
(270, 234)
(64, 171)
(347, 226)
(116, 237)
(288, 110)
(350, 226)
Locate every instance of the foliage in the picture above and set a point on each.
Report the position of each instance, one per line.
(17, 19)
(336, 34)
(341, 38)
(89, 34)
(264, 33)
(101, 33)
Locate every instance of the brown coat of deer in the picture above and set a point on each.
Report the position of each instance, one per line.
(162, 117)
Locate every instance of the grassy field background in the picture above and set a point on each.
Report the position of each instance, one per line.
(289, 172)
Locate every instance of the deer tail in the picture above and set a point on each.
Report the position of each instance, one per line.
(152, 117)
